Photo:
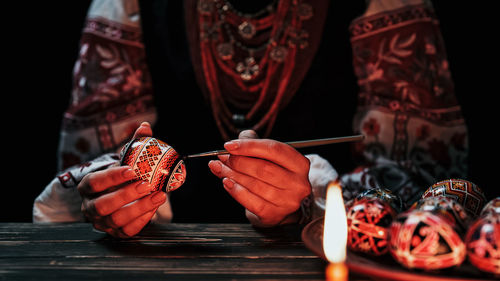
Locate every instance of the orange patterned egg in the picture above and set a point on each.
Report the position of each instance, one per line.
(156, 162)
(469, 195)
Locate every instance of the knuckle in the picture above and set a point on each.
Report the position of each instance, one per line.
(100, 208)
(274, 147)
(293, 205)
(128, 194)
(261, 210)
(305, 165)
(234, 162)
(116, 220)
(252, 182)
(146, 206)
(91, 182)
(264, 171)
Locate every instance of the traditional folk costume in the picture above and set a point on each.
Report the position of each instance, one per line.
(201, 71)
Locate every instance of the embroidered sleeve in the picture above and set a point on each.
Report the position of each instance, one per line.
(111, 96)
(60, 201)
(321, 172)
(112, 92)
(408, 112)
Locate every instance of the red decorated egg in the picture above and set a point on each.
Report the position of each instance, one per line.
(368, 221)
(492, 207)
(386, 195)
(469, 195)
(156, 162)
(447, 207)
(424, 240)
(483, 243)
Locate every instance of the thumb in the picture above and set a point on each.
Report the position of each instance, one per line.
(144, 130)
(248, 134)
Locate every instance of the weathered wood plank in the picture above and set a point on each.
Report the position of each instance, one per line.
(164, 241)
(174, 251)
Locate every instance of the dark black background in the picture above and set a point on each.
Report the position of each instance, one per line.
(40, 44)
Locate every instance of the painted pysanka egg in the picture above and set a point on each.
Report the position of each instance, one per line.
(483, 243)
(448, 207)
(492, 207)
(386, 195)
(425, 240)
(469, 195)
(156, 162)
(368, 220)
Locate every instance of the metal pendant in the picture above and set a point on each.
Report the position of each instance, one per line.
(304, 11)
(225, 50)
(246, 30)
(205, 7)
(248, 69)
(278, 53)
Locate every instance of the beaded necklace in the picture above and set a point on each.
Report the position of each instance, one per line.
(247, 60)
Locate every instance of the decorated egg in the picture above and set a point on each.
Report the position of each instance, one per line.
(492, 207)
(448, 207)
(483, 243)
(424, 240)
(368, 221)
(156, 162)
(386, 195)
(469, 195)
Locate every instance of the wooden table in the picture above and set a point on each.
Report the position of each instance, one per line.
(167, 252)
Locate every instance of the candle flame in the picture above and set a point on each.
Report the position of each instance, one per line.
(335, 225)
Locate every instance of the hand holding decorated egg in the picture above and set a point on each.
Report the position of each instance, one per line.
(115, 202)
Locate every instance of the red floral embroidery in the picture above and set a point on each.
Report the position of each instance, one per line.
(439, 152)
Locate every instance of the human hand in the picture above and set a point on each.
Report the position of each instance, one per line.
(115, 202)
(269, 178)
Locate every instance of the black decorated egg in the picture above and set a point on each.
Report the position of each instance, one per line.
(483, 243)
(492, 207)
(448, 207)
(386, 195)
(156, 162)
(424, 240)
(469, 195)
(368, 221)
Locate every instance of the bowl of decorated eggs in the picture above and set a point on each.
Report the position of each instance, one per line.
(452, 226)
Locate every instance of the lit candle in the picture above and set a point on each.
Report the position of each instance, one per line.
(335, 234)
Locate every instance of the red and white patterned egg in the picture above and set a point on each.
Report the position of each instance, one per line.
(483, 243)
(468, 194)
(447, 207)
(156, 162)
(368, 221)
(424, 240)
